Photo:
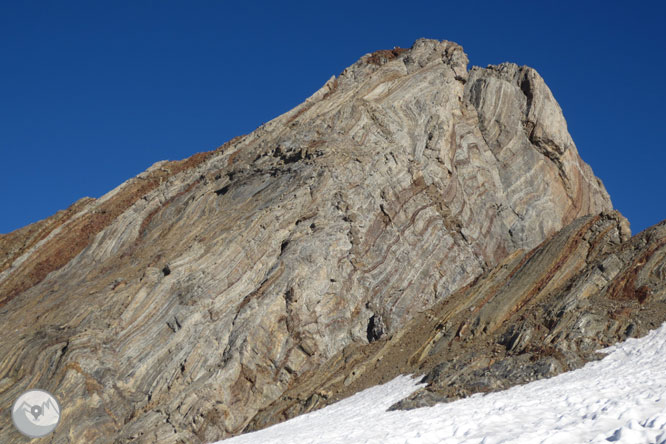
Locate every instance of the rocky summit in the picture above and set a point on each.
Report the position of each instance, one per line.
(409, 211)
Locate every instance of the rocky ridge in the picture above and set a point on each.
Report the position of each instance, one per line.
(192, 297)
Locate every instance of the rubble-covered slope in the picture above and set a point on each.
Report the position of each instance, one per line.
(180, 304)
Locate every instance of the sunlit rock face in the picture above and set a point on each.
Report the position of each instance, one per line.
(178, 305)
(538, 313)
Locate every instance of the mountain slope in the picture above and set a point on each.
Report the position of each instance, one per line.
(537, 314)
(188, 299)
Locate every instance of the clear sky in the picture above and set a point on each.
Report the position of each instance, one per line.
(92, 93)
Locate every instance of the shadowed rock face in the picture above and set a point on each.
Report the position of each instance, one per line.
(536, 314)
(180, 304)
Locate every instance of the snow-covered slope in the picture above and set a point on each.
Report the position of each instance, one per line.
(621, 398)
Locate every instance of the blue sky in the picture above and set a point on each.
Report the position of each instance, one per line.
(92, 93)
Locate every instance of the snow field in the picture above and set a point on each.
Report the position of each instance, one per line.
(619, 399)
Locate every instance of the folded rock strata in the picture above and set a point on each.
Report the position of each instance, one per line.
(190, 298)
(537, 314)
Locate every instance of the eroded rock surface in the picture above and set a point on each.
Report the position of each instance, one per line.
(190, 298)
(537, 314)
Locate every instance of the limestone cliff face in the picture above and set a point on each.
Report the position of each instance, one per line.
(180, 304)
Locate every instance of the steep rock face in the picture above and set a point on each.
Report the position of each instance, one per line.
(180, 304)
(537, 314)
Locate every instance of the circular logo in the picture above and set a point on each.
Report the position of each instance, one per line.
(36, 413)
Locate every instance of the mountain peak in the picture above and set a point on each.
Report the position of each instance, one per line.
(194, 295)
(423, 52)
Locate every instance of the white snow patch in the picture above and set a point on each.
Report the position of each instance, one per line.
(620, 399)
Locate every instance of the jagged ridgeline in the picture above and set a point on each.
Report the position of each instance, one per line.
(235, 288)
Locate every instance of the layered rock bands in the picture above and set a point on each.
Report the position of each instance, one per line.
(536, 314)
(186, 304)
